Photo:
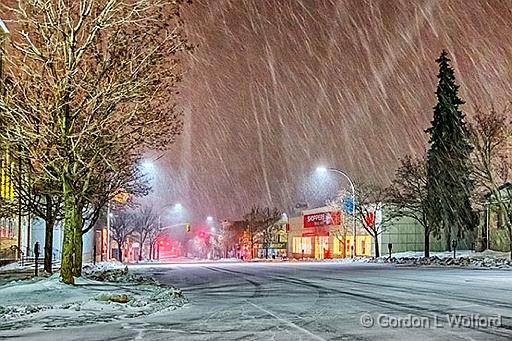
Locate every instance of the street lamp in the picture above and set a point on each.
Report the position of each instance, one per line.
(209, 219)
(176, 210)
(3, 33)
(147, 167)
(3, 27)
(325, 170)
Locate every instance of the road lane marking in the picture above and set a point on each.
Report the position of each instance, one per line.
(288, 323)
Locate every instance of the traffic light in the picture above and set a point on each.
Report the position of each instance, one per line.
(187, 227)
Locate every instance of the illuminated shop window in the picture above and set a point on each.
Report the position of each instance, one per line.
(302, 244)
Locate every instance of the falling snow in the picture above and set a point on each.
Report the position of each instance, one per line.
(275, 88)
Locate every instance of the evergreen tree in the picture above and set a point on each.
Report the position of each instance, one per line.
(449, 184)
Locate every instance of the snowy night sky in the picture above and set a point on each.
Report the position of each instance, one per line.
(276, 88)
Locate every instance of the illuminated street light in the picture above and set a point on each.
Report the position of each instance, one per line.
(325, 170)
(209, 219)
(178, 206)
(148, 166)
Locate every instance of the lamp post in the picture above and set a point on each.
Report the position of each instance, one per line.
(3, 33)
(324, 169)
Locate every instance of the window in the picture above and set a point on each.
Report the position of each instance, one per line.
(301, 244)
(340, 246)
(363, 247)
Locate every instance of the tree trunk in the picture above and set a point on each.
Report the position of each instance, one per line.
(427, 242)
(150, 250)
(120, 252)
(78, 241)
(252, 247)
(72, 218)
(140, 248)
(377, 250)
(447, 233)
(48, 238)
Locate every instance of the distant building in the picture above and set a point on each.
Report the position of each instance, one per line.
(322, 233)
(9, 216)
(492, 232)
(273, 242)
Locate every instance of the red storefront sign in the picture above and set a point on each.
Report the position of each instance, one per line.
(322, 219)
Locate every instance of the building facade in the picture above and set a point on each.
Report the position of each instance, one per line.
(274, 245)
(493, 232)
(9, 221)
(322, 233)
(406, 234)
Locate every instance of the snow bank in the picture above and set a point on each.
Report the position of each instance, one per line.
(461, 253)
(96, 297)
(11, 267)
(464, 258)
(103, 266)
(474, 262)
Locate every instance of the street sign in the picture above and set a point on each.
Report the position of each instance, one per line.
(348, 205)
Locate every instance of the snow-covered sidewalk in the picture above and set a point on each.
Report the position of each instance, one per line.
(464, 258)
(102, 295)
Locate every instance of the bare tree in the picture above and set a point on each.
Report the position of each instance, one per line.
(408, 194)
(93, 84)
(372, 200)
(270, 232)
(491, 136)
(258, 224)
(228, 236)
(122, 226)
(38, 196)
(153, 235)
(344, 230)
(146, 222)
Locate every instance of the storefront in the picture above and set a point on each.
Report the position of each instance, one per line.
(323, 234)
(274, 250)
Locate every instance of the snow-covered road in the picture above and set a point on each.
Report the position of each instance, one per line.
(314, 301)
